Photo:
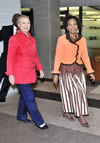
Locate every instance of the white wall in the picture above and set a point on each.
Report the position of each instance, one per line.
(7, 9)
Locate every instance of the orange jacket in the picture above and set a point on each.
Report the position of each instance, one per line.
(68, 53)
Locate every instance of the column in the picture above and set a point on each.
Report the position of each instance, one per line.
(47, 30)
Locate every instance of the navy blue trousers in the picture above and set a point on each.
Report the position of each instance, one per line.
(27, 103)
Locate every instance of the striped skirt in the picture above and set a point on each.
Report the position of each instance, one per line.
(73, 89)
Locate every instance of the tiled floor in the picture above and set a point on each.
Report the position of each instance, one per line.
(52, 110)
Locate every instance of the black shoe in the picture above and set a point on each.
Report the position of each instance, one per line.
(2, 99)
(44, 127)
(25, 121)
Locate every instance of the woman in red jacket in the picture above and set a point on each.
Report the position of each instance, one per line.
(22, 63)
(71, 53)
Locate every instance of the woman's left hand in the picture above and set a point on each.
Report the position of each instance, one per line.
(41, 74)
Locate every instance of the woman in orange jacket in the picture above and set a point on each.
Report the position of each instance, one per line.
(71, 53)
(22, 63)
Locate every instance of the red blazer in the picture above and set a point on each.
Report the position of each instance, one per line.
(23, 59)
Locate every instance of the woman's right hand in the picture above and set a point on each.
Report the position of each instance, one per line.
(55, 79)
(12, 79)
(92, 77)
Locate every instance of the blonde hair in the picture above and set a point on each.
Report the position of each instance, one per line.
(22, 16)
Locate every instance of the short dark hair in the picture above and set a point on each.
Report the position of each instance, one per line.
(15, 18)
(67, 18)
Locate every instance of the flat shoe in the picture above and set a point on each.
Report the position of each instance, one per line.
(25, 121)
(44, 127)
